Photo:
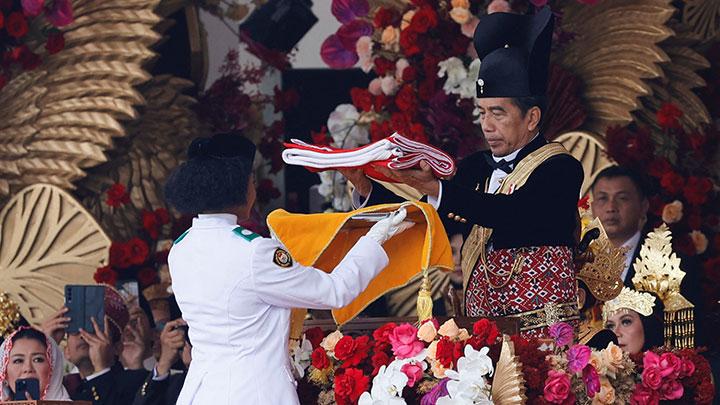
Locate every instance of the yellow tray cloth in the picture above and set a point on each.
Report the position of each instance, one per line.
(322, 240)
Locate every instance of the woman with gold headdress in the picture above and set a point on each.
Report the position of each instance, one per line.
(636, 319)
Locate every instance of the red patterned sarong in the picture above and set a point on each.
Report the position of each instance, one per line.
(543, 283)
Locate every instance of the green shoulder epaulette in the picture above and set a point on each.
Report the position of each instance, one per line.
(180, 237)
(247, 234)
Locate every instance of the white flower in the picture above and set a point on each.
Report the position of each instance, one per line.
(466, 88)
(386, 388)
(389, 85)
(418, 358)
(344, 128)
(460, 80)
(468, 382)
(301, 357)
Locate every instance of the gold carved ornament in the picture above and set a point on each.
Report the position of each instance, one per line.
(47, 240)
(657, 270)
(703, 17)
(60, 118)
(508, 385)
(602, 274)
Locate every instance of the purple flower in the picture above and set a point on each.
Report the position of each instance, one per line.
(61, 13)
(562, 333)
(578, 357)
(350, 33)
(346, 10)
(591, 379)
(32, 8)
(335, 55)
(440, 390)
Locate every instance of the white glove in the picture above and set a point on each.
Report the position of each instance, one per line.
(386, 228)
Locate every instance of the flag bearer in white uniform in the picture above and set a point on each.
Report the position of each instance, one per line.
(235, 288)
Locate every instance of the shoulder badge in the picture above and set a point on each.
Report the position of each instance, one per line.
(181, 237)
(282, 258)
(246, 234)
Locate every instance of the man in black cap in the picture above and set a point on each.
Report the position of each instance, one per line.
(516, 204)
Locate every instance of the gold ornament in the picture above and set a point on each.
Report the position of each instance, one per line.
(703, 18)
(508, 386)
(47, 240)
(589, 149)
(60, 118)
(9, 314)
(640, 302)
(602, 274)
(657, 270)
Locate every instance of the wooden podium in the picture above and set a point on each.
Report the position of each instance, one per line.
(43, 402)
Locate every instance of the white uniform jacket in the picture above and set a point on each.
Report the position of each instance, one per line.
(235, 290)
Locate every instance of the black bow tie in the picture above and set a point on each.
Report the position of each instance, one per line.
(503, 164)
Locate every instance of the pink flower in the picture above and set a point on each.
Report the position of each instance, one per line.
(404, 341)
(61, 13)
(557, 387)
(578, 357)
(346, 10)
(688, 368)
(652, 377)
(32, 8)
(670, 365)
(562, 333)
(468, 29)
(644, 396)
(334, 54)
(375, 86)
(414, 373)
(671, 390)
(591, 379)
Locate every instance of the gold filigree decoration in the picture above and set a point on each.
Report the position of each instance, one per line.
(155, 144)
(703, 18)
(508, 386)
(602, 274)
(589, 149)
(615, 50)
(59, 119)
(9, 314)
(47, 240)
(640, 302)
(657, 270)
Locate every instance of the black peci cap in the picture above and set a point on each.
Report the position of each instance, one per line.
(515, 53)
(224, 145)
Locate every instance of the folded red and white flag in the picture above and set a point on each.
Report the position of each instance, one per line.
(393, 152)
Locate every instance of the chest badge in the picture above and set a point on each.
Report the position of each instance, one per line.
(282, 258)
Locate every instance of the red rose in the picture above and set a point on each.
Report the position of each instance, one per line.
(558, 389)
(120, 255)
(315, 336)
(16, 25)
(361, 98)
(408, 42)
(380, 130)
(696, 190)
(406, 99)
(382, 334)
(320, 359)
(138, 250)
(150, 223)
(352, 351)
(423, 20)
(378, 360)
(383, 66)
(417, 133)
(105, 275)
(55, 42)
(672, 182)
(445, 352)
(117, 196)
(486, 330)
(669, 116)
(384, 17)
(381, 101)
(643, 395)
(349, 386)
(146, 276)
(285, 100)
(322, 137)
(400, 122)
(409, 74)
(652, 377)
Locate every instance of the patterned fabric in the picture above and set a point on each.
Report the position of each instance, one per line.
(505, 287)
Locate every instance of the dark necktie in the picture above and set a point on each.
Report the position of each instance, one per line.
(503, 164)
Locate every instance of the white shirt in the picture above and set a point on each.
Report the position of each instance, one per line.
(236, 300)
(497, 175)
(631, 245)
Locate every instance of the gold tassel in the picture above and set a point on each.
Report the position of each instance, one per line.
(424, 299)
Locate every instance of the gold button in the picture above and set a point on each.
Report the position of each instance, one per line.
(463, 220)
(458, 218)
(451, 215)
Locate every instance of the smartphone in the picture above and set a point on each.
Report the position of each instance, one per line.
(85, 302)
(26, 385)
(130, 292)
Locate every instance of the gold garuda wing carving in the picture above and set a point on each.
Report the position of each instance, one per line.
(60, 119)
(47, 240)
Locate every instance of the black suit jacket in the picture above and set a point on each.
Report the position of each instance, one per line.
(165, 392)
(116, 387)
(541, 213)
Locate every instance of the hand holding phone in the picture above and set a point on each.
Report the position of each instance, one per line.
(26, 389)
(84, 302)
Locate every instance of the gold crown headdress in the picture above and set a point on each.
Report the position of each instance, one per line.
(640, 302)
(657, 270)
(602, 274)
